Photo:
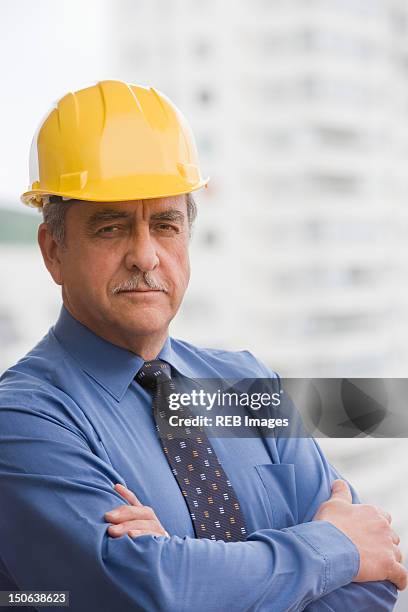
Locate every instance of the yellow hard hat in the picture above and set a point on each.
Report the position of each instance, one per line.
(111, 142)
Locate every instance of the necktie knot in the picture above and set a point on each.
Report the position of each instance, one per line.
(152, 372)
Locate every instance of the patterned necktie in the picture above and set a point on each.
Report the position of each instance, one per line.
(209, 495)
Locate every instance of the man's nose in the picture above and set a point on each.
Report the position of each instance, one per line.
(141, 251)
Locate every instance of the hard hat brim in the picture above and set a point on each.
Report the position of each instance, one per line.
(34, 197)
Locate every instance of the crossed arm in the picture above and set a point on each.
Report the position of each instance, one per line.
(55, 493)
(134, 519)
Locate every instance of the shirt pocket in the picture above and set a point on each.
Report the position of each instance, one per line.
(279, 485)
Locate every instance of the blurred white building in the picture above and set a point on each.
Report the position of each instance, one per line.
(300, 110)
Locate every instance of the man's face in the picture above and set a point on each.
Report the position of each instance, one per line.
(125, 266)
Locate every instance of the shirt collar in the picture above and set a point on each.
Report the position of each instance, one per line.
(112, 366)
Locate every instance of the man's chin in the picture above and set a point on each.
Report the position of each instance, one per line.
(143, 320)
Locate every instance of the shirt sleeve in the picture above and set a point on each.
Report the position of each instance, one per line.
(314, 478)
(54, 493)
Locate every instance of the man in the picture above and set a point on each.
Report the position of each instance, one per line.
(92, 500)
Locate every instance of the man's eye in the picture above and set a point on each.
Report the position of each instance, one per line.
(108, 229)
(167, 228)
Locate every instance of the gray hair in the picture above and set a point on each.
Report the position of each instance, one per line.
(55, 210)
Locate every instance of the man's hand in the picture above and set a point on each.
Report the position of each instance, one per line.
(134, 520)
(369, 529)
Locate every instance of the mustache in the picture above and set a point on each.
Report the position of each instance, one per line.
(141, 280)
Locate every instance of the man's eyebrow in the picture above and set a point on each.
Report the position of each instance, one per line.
(111, 214)
(169, 215)
(106, 214)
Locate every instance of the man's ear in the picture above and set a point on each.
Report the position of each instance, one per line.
(51, 252)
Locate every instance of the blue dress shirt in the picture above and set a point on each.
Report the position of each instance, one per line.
(73, 422)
